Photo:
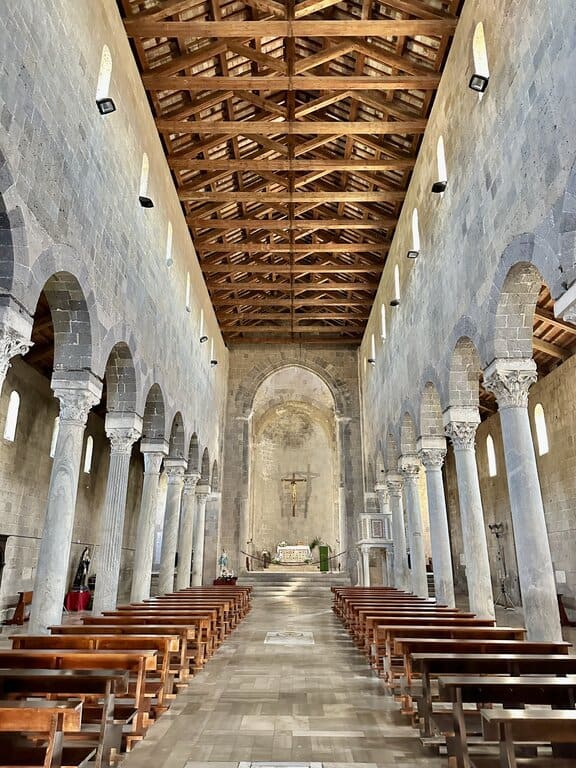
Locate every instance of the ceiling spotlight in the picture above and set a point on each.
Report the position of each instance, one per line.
(203, 339)
(478, 83)
(106, 106)
(439, 186)
(372, 361)
(213, 363)
(395, 303)
(146, 202)
(412, 254)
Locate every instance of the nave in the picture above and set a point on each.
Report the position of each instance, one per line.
(260, 702)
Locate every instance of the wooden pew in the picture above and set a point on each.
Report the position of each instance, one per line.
(510, 726)
(19, 616)
(164, 645)
(392, 666)
(558, 692)
(138, 663)
(90, 686)
(181, 659)
(430, 665)
(18, 724)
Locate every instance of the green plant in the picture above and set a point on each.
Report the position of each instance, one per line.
(316, 541)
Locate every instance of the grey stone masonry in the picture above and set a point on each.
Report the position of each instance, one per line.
(76, 400)
(123, 430)
(175, 469)
(154, 453)
(510, 381)
(433, 458)
(461, 425)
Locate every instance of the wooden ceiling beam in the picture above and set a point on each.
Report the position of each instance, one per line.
(250, 247)
(298, 197)
(287, 269)
(258, 341)
(298, 128)
(297, 302)
(146, 28)
(298, 166)
(299, 82)
(225, 316)
(285, 224)
(288, 286)
(550, 349)
(269, 62)
(313, 329)
(548, 317)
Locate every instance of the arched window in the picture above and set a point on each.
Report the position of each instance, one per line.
(55, 431)
(88, 454)
(169, 260)
(12, 417)
(492, 468)
(415, 235)
(396, 300)
(541, 431)
(104, 75)
(188, 292)
(372, 358)
(382, 322)
(481, 73)
(441, 160)
(144, 173)
(201, 332)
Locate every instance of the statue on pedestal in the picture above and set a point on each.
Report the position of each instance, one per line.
(82, 570)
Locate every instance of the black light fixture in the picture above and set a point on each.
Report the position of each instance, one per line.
(439, 186)
(106, 106)
(478, 83)
(412, 254)
(395, 303)
(213, 363)
(146, 202)
(203, 339)
(372, 361)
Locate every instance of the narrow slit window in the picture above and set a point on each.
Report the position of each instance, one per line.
(12, 417)
(104, 74)
(396, 299)
(144, 174)
(55, 431)
(441, 160)
(169, 260)
(383, 322)
(188, 292)
(480, 56)
(415, 231)
(541, 431)
(373, 348)
(88, 454)
(492, 468)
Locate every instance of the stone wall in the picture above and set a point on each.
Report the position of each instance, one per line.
(69, 185)
(504, 225)
(249, 395)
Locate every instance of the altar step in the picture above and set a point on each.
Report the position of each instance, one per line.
(301, 585)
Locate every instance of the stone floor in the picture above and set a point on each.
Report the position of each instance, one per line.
(291, 703)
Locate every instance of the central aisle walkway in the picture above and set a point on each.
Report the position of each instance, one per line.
(284, 703)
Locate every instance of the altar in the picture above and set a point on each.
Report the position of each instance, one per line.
(296, 554)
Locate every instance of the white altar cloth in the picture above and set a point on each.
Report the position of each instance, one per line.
(296, 554)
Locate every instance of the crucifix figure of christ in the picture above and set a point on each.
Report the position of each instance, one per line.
(293, 480)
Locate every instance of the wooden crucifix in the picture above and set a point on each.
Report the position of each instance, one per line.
(293, 480)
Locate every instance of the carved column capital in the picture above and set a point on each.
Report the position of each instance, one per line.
(75, 404)
(202, 492)
(462, 434)
(432, 458)
(152, 462)
(381, 490)
(11, 344)
(175, 469)
(409, 467)
(122, 440)
(190, 481)
(395, 483)
(510, 381)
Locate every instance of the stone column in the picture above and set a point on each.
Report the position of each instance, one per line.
(175, 469)
(410, 468)
(365, 566)
(381, 490)
(202, 493)
(123, 430)
(12, 343)
(460, 426)
(510, 381)
(395, 483)
(76, 400)
(154, 451)
(433, 458)
(186, 530)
